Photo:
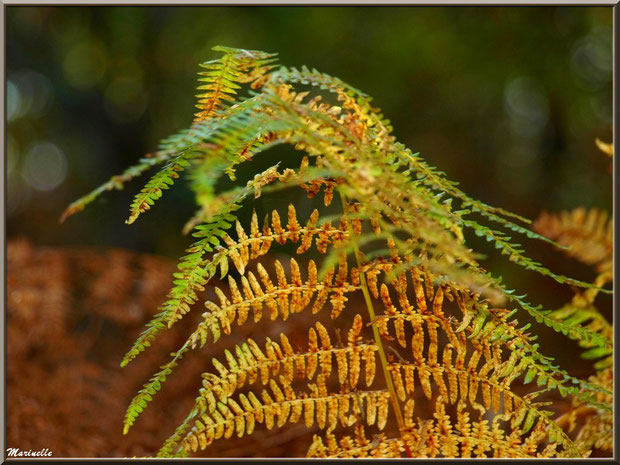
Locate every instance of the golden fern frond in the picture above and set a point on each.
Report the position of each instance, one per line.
(587, 233)
(486, 386)
(439, 437)
(605, 147)
(250, 246)
(281, 404)
(249, 363)
(259, 290)
(482, 373)
(358, 446)
(491, 326)
(281, 296)
(220, 83)
(439, 326)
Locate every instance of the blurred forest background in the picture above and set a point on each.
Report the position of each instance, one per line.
(506, 100)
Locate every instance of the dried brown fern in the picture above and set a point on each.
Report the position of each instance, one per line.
(70, 312)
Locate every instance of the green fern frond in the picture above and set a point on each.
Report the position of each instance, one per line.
(191, 278)
(574, 315)
(153, 189)
(116, 182)
(582, 312)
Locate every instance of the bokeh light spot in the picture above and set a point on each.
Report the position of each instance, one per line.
(36, 92)
(592, 58)
(84, 65)
(526, 104)
(125, 98)
(44, 166)
(13, 101)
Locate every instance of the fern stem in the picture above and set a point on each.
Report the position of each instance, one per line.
(375, 330)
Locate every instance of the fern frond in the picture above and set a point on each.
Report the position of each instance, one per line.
(440, 437)
(605, 147)
(153, 188)
(259, 241)
(465, 380)
(484, 283)
(588, 234)
(250, 364)
(258, 292)
(281, 404)
(194, 271)
(594, 425)
(116, 182)
(581, 310)
(359, 104)
(249, 125)
(406, 224)
(278, 295)
(478, 320)
(219, 84)
(438, 213)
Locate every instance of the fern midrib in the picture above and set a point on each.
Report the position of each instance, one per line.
(375, 330)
